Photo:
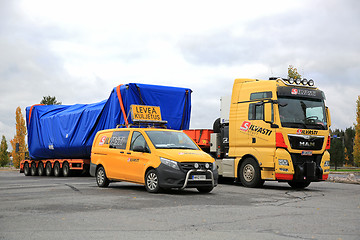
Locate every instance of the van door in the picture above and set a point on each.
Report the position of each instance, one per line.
(138, 157)
(116, 159)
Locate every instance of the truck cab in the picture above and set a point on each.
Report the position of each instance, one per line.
(155, 157)
(274, 129)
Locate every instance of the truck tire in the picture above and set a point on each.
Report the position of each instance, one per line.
(57, 169)
(299, 185)
(41, 169)
(33, 169)
(250, 175)
(101, 179)
(66, 169)
(217, 126)
(205, 189)
(26, 169)
(152, 181)
(48, 169)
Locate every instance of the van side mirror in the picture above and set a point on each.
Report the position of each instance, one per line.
(328, 116)
(140, 149)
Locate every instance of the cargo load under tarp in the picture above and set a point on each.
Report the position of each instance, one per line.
(67, 131)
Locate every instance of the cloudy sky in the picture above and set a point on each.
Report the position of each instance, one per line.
(79, 50)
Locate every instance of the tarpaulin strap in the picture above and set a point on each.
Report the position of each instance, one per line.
(142, 102)
(31, 108)
(183, 116)
(121, 104)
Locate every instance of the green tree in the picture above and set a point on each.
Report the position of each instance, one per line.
(293, 73)
(48, 100)
(19, 138)
(349, 145)
(4, 155)
(357, 135)
(337, 149)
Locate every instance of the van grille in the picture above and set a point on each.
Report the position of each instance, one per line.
(190, 165)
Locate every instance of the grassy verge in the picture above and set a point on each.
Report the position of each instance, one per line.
(346, 170)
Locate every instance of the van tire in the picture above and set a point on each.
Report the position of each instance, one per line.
(26, 169)
(101, 179)
(152, 181)
(250, 175)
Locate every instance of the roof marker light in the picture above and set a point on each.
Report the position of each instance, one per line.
(304, 81)
(291, 81)
(298, 81)
(311, 82)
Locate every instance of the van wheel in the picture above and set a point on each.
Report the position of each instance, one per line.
(152, 181)
(26, 169)
(57, 169)
(48, 169)
(33, 169)
(41, 169)
(205, 189)
(250, 175)
(299, 185)
(101, 179)
(66, 169)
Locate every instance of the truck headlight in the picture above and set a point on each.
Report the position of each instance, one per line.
(327, 164)
(283, 162)
(169, 163)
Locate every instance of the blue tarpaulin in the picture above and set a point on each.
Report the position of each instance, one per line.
(67, 131)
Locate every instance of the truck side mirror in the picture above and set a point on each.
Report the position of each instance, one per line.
(328, 116)
(268, 112)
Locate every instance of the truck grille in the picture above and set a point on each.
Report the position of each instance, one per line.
(306, 142)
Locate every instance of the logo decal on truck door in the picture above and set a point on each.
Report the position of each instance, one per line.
(246, 125)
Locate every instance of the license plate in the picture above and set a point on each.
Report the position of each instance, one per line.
(198, 177)
(306, 153)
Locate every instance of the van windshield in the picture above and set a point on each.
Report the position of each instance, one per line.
(171, 140)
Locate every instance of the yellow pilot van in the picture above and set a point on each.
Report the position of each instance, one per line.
(154, 157)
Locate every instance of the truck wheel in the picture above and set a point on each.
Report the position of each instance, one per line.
(66, 170)
(48, 169)
(250, 175)
(41, 169)
(152, 181)
(33, 169)
(205, 189)
(299, 185)
(26, 169)
(57, 169)
(101, 179)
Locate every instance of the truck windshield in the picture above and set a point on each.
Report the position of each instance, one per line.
(171, 140)
(302, 113)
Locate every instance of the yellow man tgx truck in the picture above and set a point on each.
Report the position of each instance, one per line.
(276, 129)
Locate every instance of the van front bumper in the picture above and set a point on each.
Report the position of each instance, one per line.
(172, 178)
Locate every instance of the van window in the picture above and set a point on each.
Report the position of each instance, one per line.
(119, 139)
(138, 140)
(171, 140)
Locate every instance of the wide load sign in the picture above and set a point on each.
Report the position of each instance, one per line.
(145, 113)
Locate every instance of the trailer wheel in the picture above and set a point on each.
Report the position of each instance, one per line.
(57, 169)
(26, 169)
(205, 189)
(152, 181)
(41, 169)
(33, 169)
(299, 185)
(101, 179)
(48, 169)
(66, 170)
(250, 175)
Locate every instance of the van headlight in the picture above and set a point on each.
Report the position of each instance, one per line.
(214, 167)
(170, 163)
